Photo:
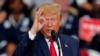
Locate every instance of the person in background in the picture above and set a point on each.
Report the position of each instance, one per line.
(84, 4)
(39, 40)
(9, 49)
(89, 8)
(3, 15)
(18, 21)
(84, 7)
(93, 48)
(69, 23)
(93, 14)
(40, 2)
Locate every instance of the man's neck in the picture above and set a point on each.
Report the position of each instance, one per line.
(16, 16)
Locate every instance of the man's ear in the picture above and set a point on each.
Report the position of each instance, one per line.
(60, 19)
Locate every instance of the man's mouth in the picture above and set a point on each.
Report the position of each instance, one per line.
(49, 30)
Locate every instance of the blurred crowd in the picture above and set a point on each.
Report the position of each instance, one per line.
(16, 19)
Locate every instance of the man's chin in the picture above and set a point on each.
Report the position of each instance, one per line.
(48, 35)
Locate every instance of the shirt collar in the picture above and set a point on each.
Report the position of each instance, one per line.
(47, 40)
(13, 22)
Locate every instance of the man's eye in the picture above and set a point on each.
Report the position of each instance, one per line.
(53, 19)
(47, 19)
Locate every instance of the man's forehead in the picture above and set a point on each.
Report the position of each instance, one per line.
(50, 15)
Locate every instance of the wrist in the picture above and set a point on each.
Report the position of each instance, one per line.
(33, 31)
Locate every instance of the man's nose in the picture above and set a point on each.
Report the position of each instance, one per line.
(49, 23)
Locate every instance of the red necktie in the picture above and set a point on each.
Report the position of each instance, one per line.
(52, 49)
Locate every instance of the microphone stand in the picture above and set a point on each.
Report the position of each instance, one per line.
(55, 37)
(58, 43)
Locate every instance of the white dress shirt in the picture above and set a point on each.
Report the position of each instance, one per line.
(32, 37)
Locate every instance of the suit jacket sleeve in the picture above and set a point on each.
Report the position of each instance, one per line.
(24, 46)
(75, 47)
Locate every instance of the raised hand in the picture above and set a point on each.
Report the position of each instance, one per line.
(39, 21)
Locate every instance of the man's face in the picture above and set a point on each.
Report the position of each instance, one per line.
(52, 23)
(16, 6)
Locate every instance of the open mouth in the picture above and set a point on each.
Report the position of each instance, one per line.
(49, 30)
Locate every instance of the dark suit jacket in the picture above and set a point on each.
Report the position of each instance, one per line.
(39, 47)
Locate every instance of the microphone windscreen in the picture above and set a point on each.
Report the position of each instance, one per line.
(53, 34)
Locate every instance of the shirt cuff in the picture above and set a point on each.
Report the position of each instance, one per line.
(31, 36)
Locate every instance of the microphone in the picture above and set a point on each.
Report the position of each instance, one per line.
(54, 35)
(55, 38)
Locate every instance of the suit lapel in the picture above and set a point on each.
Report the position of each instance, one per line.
(44, 46)
(65, 47)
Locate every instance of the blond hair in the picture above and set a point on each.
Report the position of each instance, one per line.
(51, 8)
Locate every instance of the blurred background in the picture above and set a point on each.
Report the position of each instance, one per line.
(80, 19)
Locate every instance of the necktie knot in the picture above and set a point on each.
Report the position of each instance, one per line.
(51, 40)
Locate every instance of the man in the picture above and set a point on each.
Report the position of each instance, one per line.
(38, 42)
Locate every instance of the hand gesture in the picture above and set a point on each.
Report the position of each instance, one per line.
(39, 21)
